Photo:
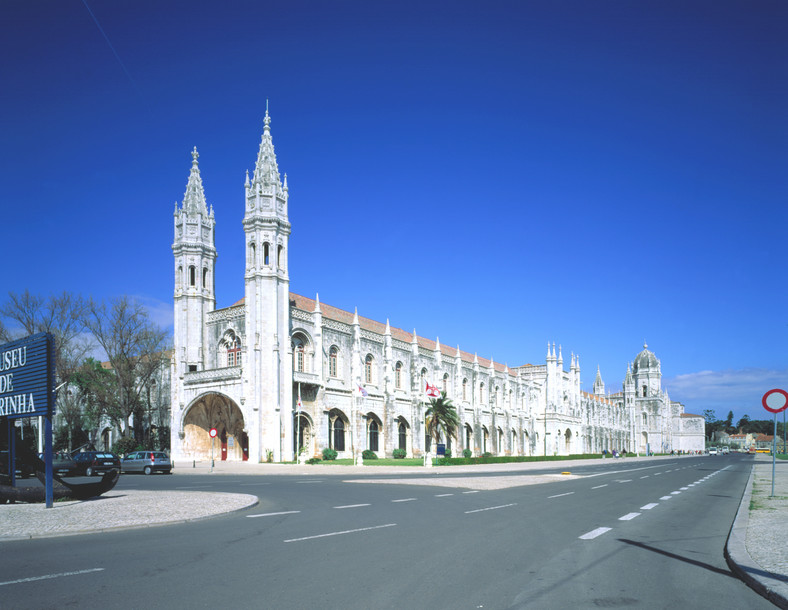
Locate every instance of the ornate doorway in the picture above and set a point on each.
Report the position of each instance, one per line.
(220, 412)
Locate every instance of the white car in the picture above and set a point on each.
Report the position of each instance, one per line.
(712, 451)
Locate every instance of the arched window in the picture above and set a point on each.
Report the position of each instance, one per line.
(299, 358)
(468, 437)
(192, 276)
(446, 383)
(403, 436)
(234, 352)
(333, 357)
(398, 376)
(205, 277)
(179, 277)
(336, 435)
(644, 391)
(481, 392)
(465, 389)
(372, 441)
(645, 419)
(280, 257)
(368, 368)
(266, 248)
(252, 255)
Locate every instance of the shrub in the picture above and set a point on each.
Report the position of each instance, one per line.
(487, 454)
(313, 460)
(329, 454)
(466, 453)
(399, 454)
(124, 445)
(368, 454)
(448, 454)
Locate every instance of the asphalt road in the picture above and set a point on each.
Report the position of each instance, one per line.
(625, 535)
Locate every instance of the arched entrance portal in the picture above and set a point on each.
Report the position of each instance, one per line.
(220, 412)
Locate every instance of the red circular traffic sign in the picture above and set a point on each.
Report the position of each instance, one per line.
(775, 400)
(212, 432)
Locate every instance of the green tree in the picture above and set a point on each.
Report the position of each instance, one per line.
(712, 423)
(441, 415)
(742, 424)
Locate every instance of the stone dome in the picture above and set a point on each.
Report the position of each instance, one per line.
(645, 360)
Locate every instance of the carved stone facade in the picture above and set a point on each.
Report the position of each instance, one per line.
(279, 374)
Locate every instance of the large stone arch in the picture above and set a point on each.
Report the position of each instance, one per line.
(214, 410)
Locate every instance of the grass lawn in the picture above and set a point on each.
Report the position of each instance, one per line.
(378, 462)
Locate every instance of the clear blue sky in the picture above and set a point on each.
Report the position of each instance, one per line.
(496, 174)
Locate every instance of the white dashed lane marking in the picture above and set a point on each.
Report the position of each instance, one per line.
(594, 533)
(443, 495)
(473, 491)
(481, 510)
(48, 576)
(666, 497)
(362, 529)
(569, 493)
(629, 516)
(598, 486)
(287, 512)
(675, 493)
(649, 506)
(353, 506)
(405, 500)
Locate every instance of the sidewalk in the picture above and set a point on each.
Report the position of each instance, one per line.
(757, 551)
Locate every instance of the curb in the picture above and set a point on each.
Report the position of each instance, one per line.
(739, 560)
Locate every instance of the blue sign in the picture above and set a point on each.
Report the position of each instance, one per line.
(441, 450)
(27, 377)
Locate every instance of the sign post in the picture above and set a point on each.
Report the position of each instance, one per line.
(27, 389)
(775, 401)
(213, 436)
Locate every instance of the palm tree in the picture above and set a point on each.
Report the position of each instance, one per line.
(441, 414)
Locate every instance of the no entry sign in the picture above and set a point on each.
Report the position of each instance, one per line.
(775, 400)
(212, 432)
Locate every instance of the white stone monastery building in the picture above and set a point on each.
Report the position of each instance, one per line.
(278, 373)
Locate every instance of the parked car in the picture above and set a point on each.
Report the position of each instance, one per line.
(712, 451)
(95, 462)
(63, 464)
(23, 470)
(147, 462)
(725, 450)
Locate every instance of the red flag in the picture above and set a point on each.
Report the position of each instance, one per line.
(432, 391)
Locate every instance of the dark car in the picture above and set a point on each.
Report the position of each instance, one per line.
(95, 462)
(147, 462)
(63, 464)
(23, 470)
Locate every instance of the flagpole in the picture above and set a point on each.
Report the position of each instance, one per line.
(298, 425)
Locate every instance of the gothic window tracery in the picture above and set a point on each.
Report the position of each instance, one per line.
(398, 375)
(333, 361)
(368, 369)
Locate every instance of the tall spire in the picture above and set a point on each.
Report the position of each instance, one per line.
(266, 171)
(194, 197)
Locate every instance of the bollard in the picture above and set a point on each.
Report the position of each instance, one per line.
(194, 463)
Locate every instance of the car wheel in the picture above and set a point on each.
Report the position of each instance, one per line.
(88, 471)
(148, 470)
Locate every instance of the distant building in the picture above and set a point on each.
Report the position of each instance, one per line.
(279, 373)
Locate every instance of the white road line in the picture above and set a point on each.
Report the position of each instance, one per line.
(629, 516)
(48, 576)
(303, 482)
(645, 477)
(625, 481)
(569, 493)
(656, 474)
(287, 512)
(594, 533)
(443, 495)
(480, 510)
(649, 506)
(352, 506)
(675, 493)
(683, 488)
(473, 491)
(598, 486)
(666, 497)
(405, 500)
(362, 529)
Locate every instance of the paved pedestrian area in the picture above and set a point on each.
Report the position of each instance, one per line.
(756, 548)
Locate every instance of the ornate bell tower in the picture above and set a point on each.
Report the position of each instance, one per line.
(267, 290)
(195, 258)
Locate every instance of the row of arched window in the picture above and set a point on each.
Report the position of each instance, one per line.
(192, 276)
(280, 252)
